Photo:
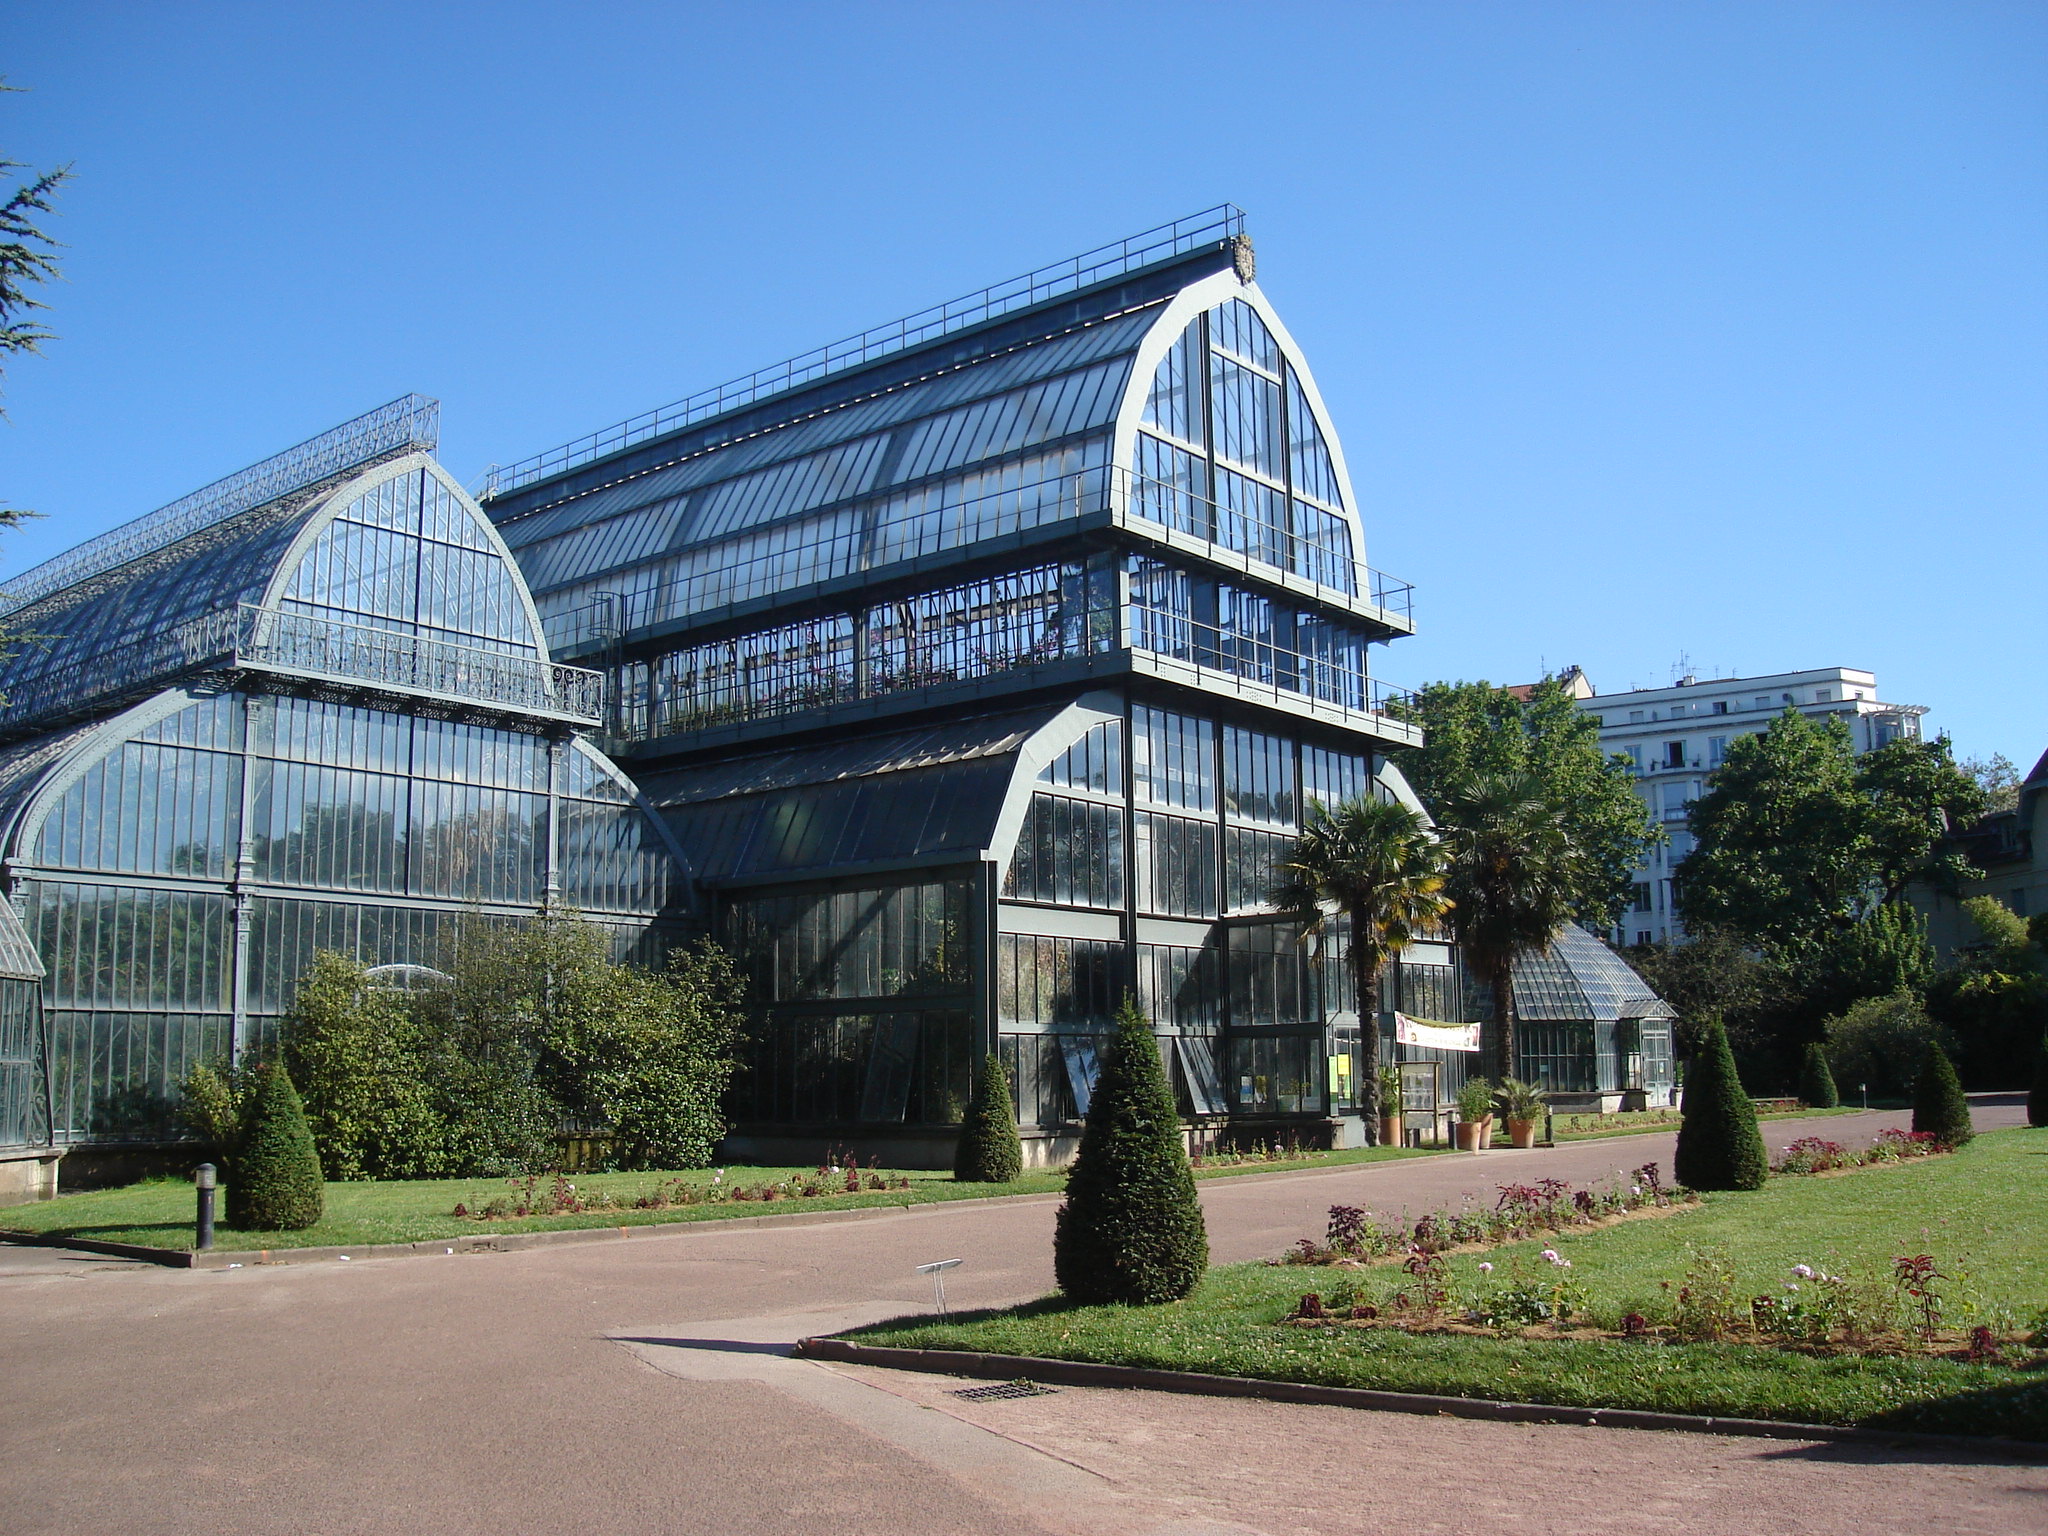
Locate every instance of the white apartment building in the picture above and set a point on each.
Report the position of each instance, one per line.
(1674, 738)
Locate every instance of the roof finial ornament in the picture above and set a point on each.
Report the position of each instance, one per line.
(1242, 257)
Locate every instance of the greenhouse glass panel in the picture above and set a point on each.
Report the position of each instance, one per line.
(1315, 474)
(1070, 852)
(1171, 488)
(1173, 759)
(1176, 864)
(1174, 404)
(1252, 863)
(1258, 777)
(1180, 986)
(1266, 975)
(1057, 984)
(1095, 762)
(1245, 408)
(1235, 328)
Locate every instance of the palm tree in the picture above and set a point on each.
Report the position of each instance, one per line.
(1515, 874)
(1378, 864)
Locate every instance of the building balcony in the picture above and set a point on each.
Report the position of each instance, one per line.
(303, 645)
(254, 640)
(834, 672)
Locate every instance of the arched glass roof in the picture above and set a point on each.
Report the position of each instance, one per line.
(392, 572)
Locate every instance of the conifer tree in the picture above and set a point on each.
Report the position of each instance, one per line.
(988, 1151)
(277, 1186)
(1131, 1229)
(1816, 1082)
(1719, 1145)
(1939, 1107)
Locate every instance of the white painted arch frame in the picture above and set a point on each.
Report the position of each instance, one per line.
(1197, 298)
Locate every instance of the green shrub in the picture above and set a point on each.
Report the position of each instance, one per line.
(363, 1065)
(647, 1055)
(988, 1151)
(1816, 1082)
(2037, 1099)
(213, 1104)
(1879, 1042)
(1719, 1145)
(1475, 1099)
(1130, 1229)
(1939, 1108)
(276, 1184)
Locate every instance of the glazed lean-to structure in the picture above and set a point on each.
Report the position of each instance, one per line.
(982, 667)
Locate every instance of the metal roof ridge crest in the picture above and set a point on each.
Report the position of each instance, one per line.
(410, 421)
(1181, 237)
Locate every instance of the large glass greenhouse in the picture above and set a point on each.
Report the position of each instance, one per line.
(982, 666)
(962, 677)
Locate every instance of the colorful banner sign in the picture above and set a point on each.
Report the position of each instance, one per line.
(1437, 1037)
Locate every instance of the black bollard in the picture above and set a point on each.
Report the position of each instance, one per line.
(202, 1177)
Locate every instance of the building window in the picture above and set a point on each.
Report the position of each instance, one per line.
(1635, 717)
(1763, 701)
(1674, 754)
(1641, 888)
(1634, 753)
(1720, 706)
(1823, 695)
(1717, 751)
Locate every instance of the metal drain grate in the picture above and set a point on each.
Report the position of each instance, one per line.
(1001, 1390)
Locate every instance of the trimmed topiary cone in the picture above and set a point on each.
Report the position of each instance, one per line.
(277, 1185)
(1816, 1082)
(1131, 1227)
(988, 1151)
(1939, 1108)
(1719, 1145)
(2037, 1100)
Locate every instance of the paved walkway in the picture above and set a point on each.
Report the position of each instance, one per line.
(640, 1386)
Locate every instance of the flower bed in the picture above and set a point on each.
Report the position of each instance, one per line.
(555, 1195)
(1354, 1236)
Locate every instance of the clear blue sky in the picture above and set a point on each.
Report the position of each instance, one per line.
(1715, 330)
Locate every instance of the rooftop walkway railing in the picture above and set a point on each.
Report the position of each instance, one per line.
(256, 639)
(1179, 238)
(410, 421)
(918, 524)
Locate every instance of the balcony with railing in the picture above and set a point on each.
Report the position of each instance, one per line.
(248, 638)
(888, 660)
(272, 640)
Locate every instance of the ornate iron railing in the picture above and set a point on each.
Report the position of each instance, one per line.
(410, 421)
(271, 639)
(1210, 227)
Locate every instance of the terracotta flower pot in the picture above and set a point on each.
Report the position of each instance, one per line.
(1522, 1132)
(1471, 1134)
(1390, 1130)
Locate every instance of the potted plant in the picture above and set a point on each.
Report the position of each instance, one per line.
(1475, 1114)
(1391, 1119)
(1521, 1105)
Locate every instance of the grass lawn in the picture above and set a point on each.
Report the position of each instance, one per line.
(1983, 1214)
(1641, 1122)
(159, 1212)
